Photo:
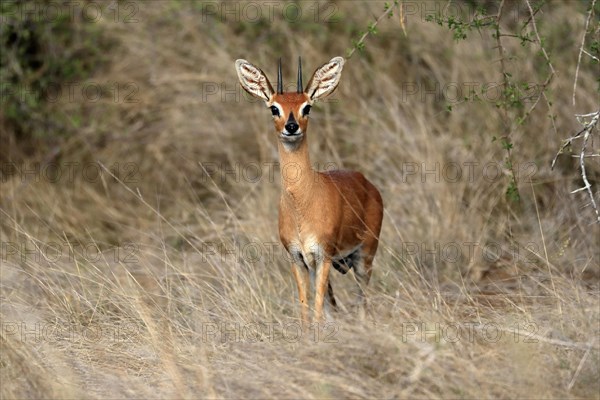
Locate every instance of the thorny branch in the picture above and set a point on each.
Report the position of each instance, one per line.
(582, 49)
(585, 133)
(360, 43)
(550, 75)
(505, 82)
(588, 126)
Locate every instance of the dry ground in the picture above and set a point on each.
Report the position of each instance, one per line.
(161, 277)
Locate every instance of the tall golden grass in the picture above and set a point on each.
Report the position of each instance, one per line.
(151, 267)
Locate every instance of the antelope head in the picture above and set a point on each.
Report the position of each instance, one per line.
(290, 110)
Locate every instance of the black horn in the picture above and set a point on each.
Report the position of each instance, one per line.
(299, 87)
(279, 79)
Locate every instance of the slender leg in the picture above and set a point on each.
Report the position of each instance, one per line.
(301, 274)
(322, 280)
(362, 272)
(364, 268)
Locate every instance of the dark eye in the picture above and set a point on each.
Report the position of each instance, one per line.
(275, 111)
(306, 110)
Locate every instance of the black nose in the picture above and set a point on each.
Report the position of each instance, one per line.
(291, 127)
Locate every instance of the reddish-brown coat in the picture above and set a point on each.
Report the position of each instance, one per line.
(337, 210)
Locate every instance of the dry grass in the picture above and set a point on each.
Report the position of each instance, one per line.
(155, 291)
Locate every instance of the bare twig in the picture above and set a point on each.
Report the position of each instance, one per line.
(581, 49)
(528, 20)
(505, 82)
(371, 27)
(402, 16)
(588, 186)
(537, 35)
(590, 54)
(547, 58)
(542, 94)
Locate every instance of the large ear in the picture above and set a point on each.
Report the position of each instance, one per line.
(325, 79)
(253, 80)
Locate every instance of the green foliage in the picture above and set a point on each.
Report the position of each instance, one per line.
(359, 44)
(512, 191)
(514, 93)
(595, 49)
(41, 52)
(460, 27)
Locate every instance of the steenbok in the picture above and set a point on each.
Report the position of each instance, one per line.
(328, 218)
